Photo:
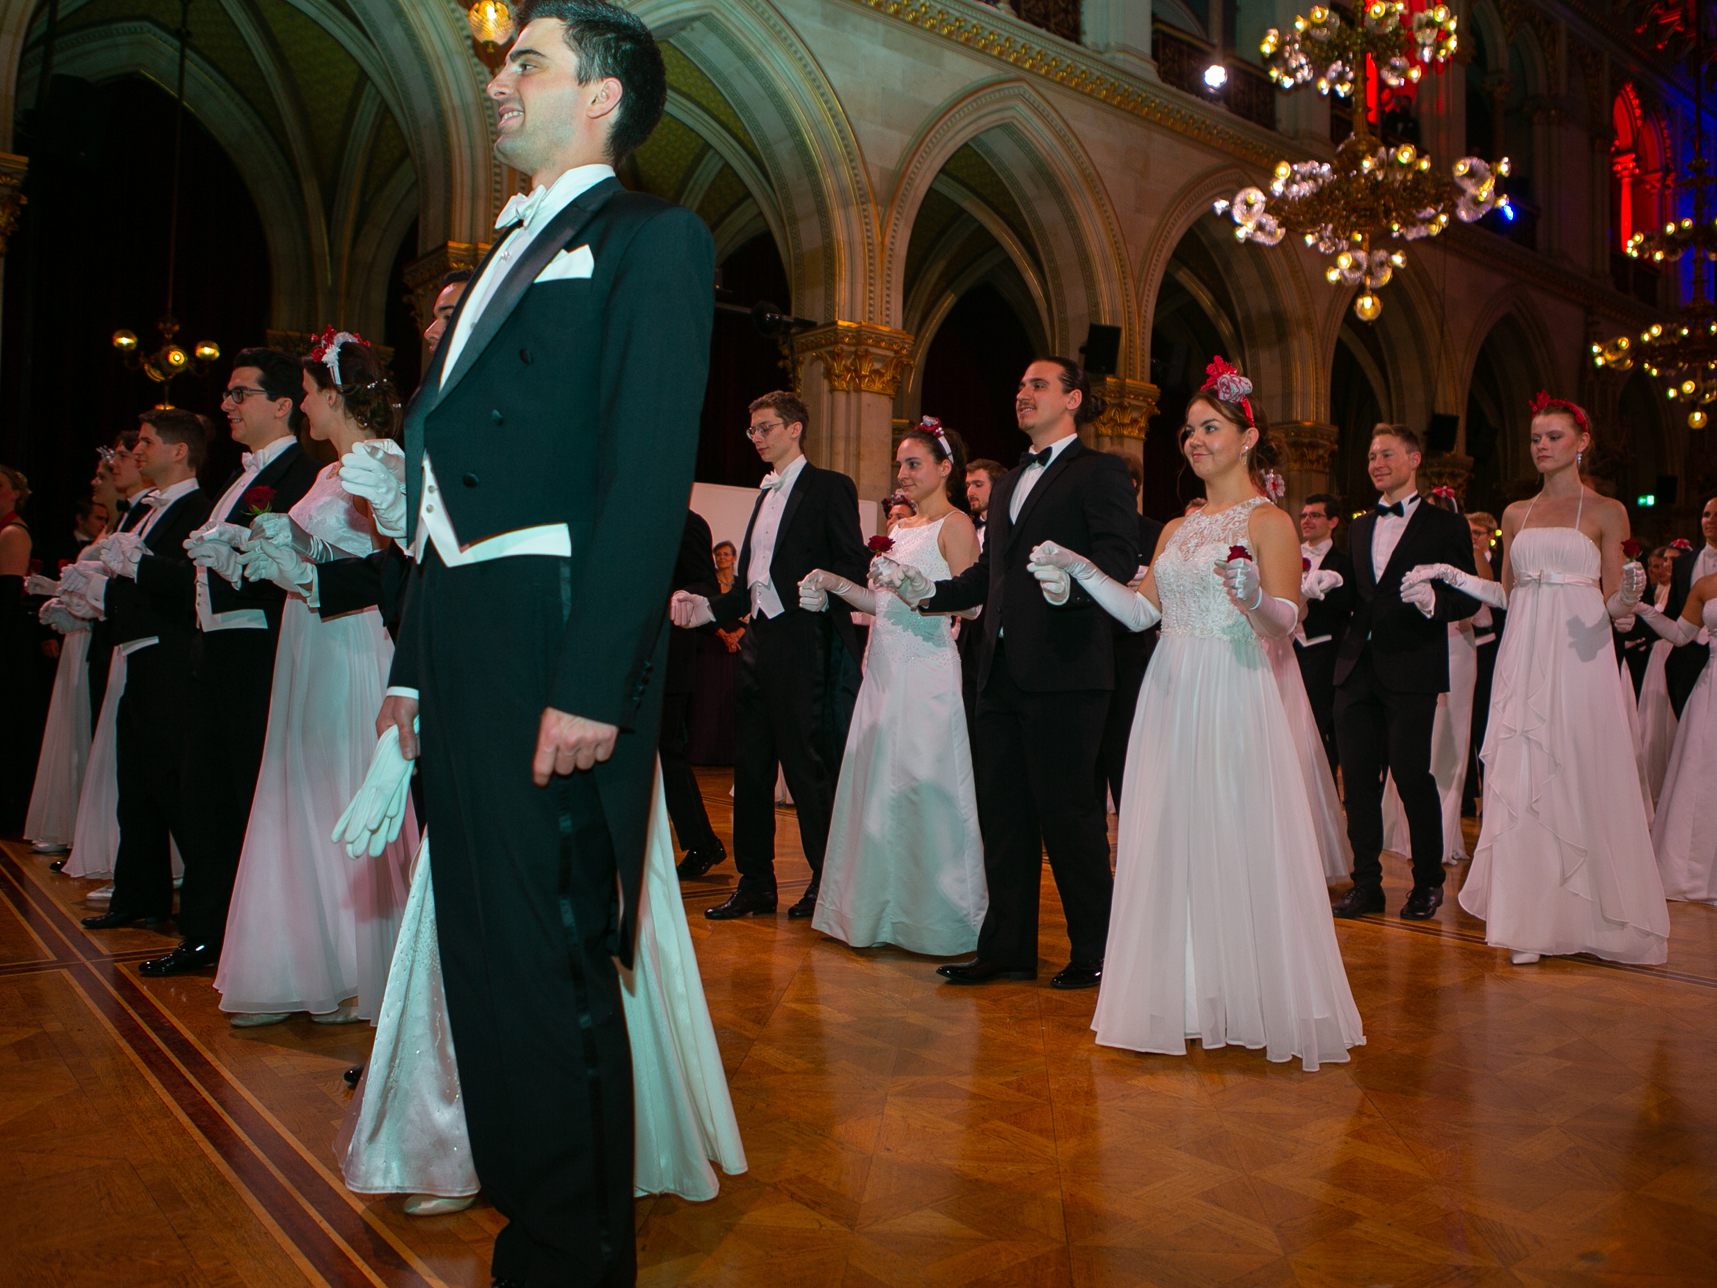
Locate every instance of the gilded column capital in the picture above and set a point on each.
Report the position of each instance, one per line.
(1305, 444)
(1446, 469)
(856, 357)
(1128, 406)
(12, 198)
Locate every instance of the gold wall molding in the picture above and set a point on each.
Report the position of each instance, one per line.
(13, 168)
(857, 357)
(1127, 410)
(1077, 70)
(1305, 444)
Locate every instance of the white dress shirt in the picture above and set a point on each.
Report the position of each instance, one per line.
(159, 501)
(1032, 473)
(1386, 534)
(434, 527)
(765, 598)
(249, 619)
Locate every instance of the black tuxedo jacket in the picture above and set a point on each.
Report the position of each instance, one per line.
(694, 571)
(1133, 649)
(1083, 502)
(1682, 667)
(373, 581)
(173, 582)
(819, 529)
(132, 612)
(1411, 651)
(574, 402)
(1331, 614)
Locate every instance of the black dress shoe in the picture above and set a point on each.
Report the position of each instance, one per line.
(807, 904)
(114, 920)
(1074, 975)
(699, 861)
(743, 903)
(1422, 904)
(184, 959)
(979, 971)
(1359, 901)
(353, 1074)
(58, 865)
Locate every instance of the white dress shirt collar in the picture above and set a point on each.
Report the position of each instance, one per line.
(562, 192)
(264, 456)
(1316, 550)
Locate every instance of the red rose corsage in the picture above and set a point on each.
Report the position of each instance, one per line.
(257, 500)
(1305, 564)
(1631, 547)
(1238, 552)
(880, 545)
(1444, 491)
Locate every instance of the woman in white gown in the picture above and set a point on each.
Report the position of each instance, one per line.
(1657, 719)
(1221, 929)
(51, 819)
(308, 929)
(905, 859)
(406, 1132)
(1564, 861)
(1684, 835)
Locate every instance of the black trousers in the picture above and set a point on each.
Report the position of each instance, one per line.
(1036, 763)
(679, 784)
(787, 715)
(148, 742)
(1384, 731)
(525, 902)
(226, 721)
(1132, 660)
(1481, 720)
(1317, 671)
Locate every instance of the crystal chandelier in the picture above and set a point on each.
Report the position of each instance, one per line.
(1350, 208)
(1681, 351)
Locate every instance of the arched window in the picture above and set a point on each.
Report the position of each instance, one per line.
(1636, 168)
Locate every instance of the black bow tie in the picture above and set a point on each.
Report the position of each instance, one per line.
(1398, 509)
(1037, 458)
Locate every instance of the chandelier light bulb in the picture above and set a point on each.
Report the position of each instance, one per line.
(1368, 307)
(1696, 419)
(1215, 77)
(125, 341)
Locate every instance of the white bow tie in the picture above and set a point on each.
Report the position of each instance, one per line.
(772, 480)
(248, 462)
(521, 207)
(154, 500)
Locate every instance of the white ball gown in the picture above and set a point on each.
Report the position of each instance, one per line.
(1334, 851)
(1685, 833)
(52, 815)
(905, 859)
(309, 928)
(1221, 928)
(406, 1132)
(1564, 862)
(1451, 736)
(1657, 719)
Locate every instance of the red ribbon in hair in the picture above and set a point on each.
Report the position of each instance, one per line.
(1543, 402)
(1230, 386)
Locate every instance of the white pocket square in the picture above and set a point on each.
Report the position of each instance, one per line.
(577, 262)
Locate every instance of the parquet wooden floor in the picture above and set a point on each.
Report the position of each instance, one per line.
(1555, 1124)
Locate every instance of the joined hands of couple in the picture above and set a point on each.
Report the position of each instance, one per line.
(1418, 590)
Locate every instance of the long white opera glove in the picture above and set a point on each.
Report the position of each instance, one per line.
(285, 567)
(1269, 615)
(378, 476)
(1319, 582)
(911, 585)
(1677, 631)
(817, 585)
(1628, 595)
(1482, 589)
(689, 611)
(373, 819)
(1054, 567)
(283, 533)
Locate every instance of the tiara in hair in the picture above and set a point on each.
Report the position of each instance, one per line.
(1542, 402)
(326, 350)
(1230, 386)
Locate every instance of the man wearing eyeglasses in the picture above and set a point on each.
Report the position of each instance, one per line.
(788, 703)
(238, 624)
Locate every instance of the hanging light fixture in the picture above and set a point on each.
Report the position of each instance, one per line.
(170, 359)
(492, 30)
(1350, 208)
(1680, 352)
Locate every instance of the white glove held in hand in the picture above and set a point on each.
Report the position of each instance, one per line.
(89, 601)
(1269, 616)
(1421, 595)
(372, 821)
(1482, 589)
(282, 532)
(1054, 580)
(57, 617)
(265, 561)
(379, 478)
(121, 553)
(1056, 568)
(1319, 582)
(1628, 596)
(217, 556)
(689, 611)
(904, 580)
(36, 584)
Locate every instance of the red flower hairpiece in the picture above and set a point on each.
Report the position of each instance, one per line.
(326, 350)
(1542, 402)
(1230, 386)
(932, 425)
(1681, 543)
(1445, 491)
(880, 545)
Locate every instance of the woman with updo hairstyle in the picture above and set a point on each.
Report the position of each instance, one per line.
(309, 930)
(1220, 929)
(1564, 861)
(905, 858)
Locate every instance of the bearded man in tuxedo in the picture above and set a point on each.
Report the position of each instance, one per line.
(548, 465)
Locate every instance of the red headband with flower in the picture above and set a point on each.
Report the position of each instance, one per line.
(326, 350)
(932, 426)
(1444, 491)
(1542, 402)
(1230, 386)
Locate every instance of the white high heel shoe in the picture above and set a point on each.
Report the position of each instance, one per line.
(1522, 959)
(436, 1205)
(347, 1014)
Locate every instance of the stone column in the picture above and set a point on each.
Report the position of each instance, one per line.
(849, 373)
(1446, 469)
(1127, 411)
(1120, 30)
(1305, 450)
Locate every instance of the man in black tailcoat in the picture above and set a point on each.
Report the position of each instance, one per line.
(1318, 639)
(548, 462)
(694, 573)
(1133, 651)
(1392, 664)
